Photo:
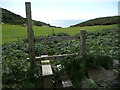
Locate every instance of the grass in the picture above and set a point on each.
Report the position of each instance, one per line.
(12, 33)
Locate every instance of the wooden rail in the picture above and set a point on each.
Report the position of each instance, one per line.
(45, 57)
(44, 39)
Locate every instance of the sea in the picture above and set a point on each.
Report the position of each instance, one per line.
(64, 23)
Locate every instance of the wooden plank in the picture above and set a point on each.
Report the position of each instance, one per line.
(56, 38)
(47, 73)
(31, 46)
(82, 42)
(44, 39)
(54, 57)
(46, 68)
(64, 78)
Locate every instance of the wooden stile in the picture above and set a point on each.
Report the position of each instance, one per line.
(45, 59)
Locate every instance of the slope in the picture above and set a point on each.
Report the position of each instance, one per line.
(99, 21)
(9, 17)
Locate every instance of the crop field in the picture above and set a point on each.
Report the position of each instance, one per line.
(12, 33)
(101, 49)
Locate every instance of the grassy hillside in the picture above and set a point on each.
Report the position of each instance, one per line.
(9, 17)
(99, 21)
(12, 33)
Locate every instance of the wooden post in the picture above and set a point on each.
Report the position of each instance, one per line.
(0, 48)
(31, 46)
(82, 42)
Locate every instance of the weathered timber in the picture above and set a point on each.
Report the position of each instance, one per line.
(53, 57)
(82, 41)
(47, 73)
(44, 39)
(46, 68)
(65, 79)
(31, 46)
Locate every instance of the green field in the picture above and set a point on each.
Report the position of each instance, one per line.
(12, 33)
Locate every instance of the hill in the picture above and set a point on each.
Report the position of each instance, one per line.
(99, 21)
(9, 17)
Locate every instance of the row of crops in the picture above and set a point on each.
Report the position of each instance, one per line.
(101, 49)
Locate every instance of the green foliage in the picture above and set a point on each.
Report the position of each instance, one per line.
(99, 60)
(92, 83)
(16, 69)
(11, 18)
(103, 42)
(17, 74)
(75, 67)
(101, 49)
(39, 23)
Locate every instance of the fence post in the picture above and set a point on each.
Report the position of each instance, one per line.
(82, 42)
(31, 46)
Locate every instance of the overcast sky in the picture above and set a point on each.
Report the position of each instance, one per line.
(44, 10)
